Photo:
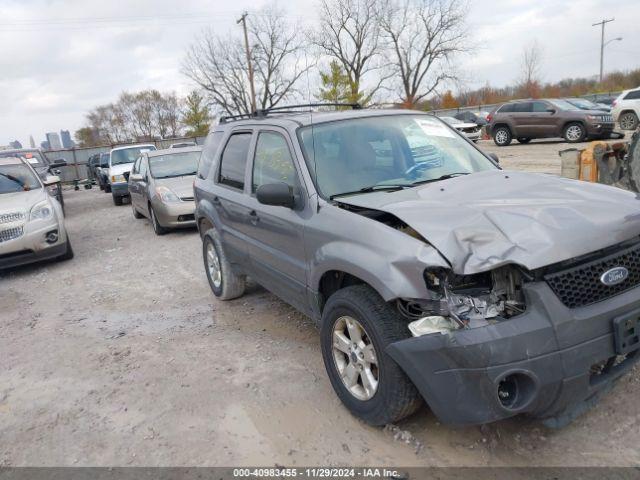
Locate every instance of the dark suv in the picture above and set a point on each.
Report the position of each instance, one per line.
(525, 120)
(431, 273)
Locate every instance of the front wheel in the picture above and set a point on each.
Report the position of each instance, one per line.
(357, 326)
(225, 283)
(117, 199)
(574, 133)
(628, 121)
(502, 136)
(157, 228)
(107, 188)
(68, 253)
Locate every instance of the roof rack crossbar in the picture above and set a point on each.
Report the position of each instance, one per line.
(285, 109)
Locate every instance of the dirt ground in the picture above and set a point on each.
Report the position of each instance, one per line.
(122, 356)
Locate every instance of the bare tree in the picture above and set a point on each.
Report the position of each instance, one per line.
(421, 38)
(529, 84)
(217, 64)
(350, 33)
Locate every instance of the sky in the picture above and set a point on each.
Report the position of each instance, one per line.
(60, 58)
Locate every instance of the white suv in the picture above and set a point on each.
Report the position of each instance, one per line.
(626, 109)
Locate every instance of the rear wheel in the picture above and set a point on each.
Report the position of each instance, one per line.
(502, 136)
(357, 326)
(628, 121)
(574, 133)
(524, 139)
(136, 213)
(225, 283)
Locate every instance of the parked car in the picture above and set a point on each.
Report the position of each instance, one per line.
(529, 119)
(31, 220)
(92, 163)
(584, 104)
(479, 118)
(486, 293)
(42, 166)
(626, 109)
(469, 130)
(102, 172)
(183, 145)
(121, 160)
(161, 188)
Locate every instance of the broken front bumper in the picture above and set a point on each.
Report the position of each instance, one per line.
(551, 361)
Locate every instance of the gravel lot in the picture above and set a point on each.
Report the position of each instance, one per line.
(122, 356)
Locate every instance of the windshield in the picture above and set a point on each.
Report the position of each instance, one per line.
(584, 104)
(17, 178)
(564, 105)
(174, 164)
(34, 157)
(399, 150)
(128, 155)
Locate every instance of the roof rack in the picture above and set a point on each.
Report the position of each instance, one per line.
(286, 109)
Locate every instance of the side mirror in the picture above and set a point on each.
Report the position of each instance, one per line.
(60, 162)
(278, 194)
(495, 158)
(135, 177)
(51, 180)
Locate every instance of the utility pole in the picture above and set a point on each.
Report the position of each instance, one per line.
(602, 24)
(243, 21)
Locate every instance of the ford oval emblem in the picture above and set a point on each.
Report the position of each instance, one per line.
(614, 276)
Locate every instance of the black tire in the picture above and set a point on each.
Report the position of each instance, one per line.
(231, 285)
(571, 137)
(396, 397)
(628, 121)
(68, 254)
(107, 188)
(117, 199)
(136, 213)
(157, 228)
(524, 140)
(502, 136)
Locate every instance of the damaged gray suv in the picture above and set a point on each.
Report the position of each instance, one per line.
(432, 274)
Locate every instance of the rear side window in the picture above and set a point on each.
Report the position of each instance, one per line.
(211, 146)
(234, 160)
(506, 108)
(635, 95)
(522, 107)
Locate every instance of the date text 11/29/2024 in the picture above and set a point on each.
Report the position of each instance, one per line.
(315, 472)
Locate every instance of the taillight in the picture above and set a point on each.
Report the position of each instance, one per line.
(613, 104)
(489, 117)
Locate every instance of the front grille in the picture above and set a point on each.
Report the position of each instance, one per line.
(11, 233)
(580, 285)
(606, 118)
(11, 217)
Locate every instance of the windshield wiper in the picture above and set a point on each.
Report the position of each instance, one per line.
(13, 179)
(177, 175)
(373, 188)
(442, 177)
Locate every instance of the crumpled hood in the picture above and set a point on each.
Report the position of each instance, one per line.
(120, 169)
(21, 202)
(492, 218)
(181, 186)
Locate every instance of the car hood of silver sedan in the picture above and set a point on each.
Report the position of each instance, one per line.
(181, 186)
(492, 218)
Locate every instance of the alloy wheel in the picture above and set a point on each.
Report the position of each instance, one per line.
(628, 121)
(355, 358)
(213, 265)
(574, 133)
(501, 136)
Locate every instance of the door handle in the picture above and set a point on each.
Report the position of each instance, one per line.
(253, 217)
(215, 201)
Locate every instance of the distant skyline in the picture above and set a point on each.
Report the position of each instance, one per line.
(60, 58)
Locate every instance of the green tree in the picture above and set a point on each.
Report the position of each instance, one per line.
(336, 86)
(87, 137)
(196, 115)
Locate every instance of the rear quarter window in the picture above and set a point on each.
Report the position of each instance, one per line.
(211, 147)
(634, 95)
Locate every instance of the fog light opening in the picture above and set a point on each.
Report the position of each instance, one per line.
(52, 237)
(515, 391)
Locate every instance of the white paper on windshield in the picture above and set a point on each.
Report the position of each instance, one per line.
(433, 129)
(32, 160)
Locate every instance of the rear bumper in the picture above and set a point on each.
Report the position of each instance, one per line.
(550, 352)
